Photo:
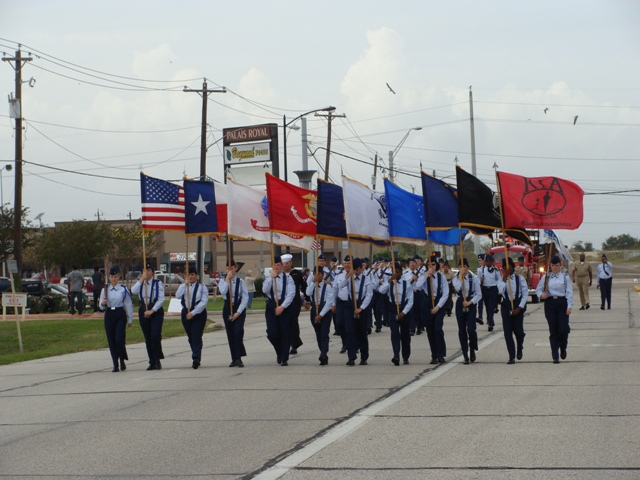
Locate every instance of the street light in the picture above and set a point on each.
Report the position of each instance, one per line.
(8, 167)
(284, 131)
(394, 152)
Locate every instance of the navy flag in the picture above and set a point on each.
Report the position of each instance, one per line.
(200, 208)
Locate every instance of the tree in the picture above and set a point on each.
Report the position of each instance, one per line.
(621, 242)
(578, 246)
(588, 246)
(6, 232)
(78, 243)
(126, 251)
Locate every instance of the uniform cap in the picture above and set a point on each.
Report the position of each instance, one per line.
(277, 259)
(231, 262)
(465, 262)
(114, 270)
(357, 263)
(555, 260)
(321, 256)
(149, 266)
(286, 257)
(334, 259)
(193, 270)
(347, 258)
(489, 258)
(481, 256)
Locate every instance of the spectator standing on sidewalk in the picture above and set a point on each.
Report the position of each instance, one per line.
(97, 278)
(75, 281)
(250, 282)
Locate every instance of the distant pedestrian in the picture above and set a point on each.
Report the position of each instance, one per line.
(115, 301)
(605, 280)
(582, 276)
(97, 278)
(250, 282)
(75, 281)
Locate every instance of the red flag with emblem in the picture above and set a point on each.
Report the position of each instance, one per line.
(291, 209)
(540, 202)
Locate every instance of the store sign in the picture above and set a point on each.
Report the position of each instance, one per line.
(180, 257)
(247, 153)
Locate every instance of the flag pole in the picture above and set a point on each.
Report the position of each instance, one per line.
(230, 293)
(464, 294)
(504, 234)
(315, 266)
(353, 284)
(186, 262)
(275, 284)
(433, 301)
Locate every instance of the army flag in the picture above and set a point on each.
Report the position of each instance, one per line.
(540, 202)
(292, 210)
(200, 217)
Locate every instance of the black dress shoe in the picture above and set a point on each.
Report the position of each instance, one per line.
(284, 364)
(472, 355)
(395, 361)
(293, 352)
(115, 369)
(351, 363)
(335, 332)
(602, 307)
(152, 367)
(466, 360)
(368, 330)
(123, 367)
(434, 361)
(490, 328)
(479, 321)
(195, 364)
(441, 360)
(158, 365)
(239, 363)
(555, 360)
(419, 332)
(581, 308)
(324, 360)
(363, 362)
(511, 361)
(343, 350)
(519, 353)
(233, 364)
(563, 353)
(405, 361)
(378, 330)
(587, 306)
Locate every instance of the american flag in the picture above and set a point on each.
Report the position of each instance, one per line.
(316, 245)
(162, 204)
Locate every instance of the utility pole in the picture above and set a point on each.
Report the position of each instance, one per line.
(203, 158)
(17, 208)
(329, 116)
(476, 239)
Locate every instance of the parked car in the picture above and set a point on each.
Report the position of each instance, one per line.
(171, 282)
(58, 289)
(34, 287)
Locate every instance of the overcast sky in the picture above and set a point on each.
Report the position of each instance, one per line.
(107, 99)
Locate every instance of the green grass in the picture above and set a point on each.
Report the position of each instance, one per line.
(48, 338)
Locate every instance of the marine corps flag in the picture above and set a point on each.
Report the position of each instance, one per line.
(540, 202)
(478, 207)
(292, 209)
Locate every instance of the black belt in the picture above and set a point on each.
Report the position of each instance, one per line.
(556, 297)
(115, 308)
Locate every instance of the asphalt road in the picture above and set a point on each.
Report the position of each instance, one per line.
(70, 417)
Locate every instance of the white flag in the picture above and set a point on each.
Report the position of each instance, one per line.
(248, 217)
(365, 211)
(550, 236)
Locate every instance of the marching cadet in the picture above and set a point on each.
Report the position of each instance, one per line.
(320, 293)
(467, 287)
(151, 294)
(583, 278)
(115, 301)
(341, 297)
(298, 280)
(357, 287)
(434, 287)
(448, 274)
(411, 275)
(368, 311)
(419, 297)
(491, 277)
(380, 274)
(557, 294)
(400, 295)
(194, 297)
(514, 291)
(281, 287)
(605, 271)
(234, 315)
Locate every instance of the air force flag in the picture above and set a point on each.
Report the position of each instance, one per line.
(200, 208)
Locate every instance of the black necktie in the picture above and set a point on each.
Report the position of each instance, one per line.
(113, 289)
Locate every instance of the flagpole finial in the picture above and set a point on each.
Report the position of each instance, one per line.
(495, 166)
(455, 160)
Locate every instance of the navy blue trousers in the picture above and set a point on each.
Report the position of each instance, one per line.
(555, 311)
(490, 299)
(322, 331)
(512, 325)
(605, 292)
(400, 334)
(235, 333)
(467, 333)
(279, 330)
(194, 329)
(435, 333)
(115, 326)
(152, 330)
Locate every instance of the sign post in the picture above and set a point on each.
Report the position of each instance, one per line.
(15, 300)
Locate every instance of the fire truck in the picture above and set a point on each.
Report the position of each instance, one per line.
(533, 260)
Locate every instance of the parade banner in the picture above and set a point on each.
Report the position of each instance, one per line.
(249, 217)
(292, 209)
(200, 208)
(540, 202)
(162, 204)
